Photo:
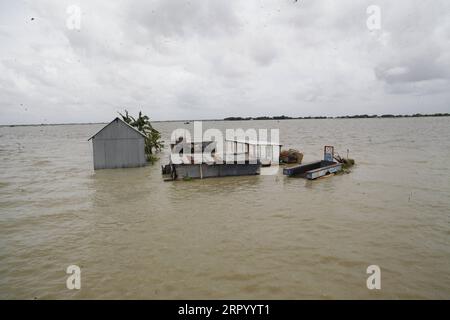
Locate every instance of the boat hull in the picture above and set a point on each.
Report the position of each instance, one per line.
(313, 170)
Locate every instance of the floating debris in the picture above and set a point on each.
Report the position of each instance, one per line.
(347, 163)
(291, 156)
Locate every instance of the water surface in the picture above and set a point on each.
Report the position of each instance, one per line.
(263, 237)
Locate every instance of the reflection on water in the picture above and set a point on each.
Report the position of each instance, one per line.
(135, 236)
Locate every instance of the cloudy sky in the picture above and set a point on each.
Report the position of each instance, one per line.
(193, 59)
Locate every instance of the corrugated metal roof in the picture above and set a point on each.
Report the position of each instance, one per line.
(254, 142)
(117, 118)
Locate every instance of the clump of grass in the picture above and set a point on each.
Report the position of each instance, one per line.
(187, 178)
(347, 163)
(291, 156)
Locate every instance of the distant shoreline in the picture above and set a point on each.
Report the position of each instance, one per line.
(359, 116)
(363, 116)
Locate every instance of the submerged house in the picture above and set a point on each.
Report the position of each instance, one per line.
(241, 164)
(118, 145)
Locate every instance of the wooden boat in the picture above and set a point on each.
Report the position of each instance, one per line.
(316, 169)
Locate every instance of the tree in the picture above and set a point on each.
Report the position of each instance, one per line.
(153, 141)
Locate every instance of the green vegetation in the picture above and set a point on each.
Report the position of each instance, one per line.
(153, 143)
(237, 119)
(346, 165)
(359, 116)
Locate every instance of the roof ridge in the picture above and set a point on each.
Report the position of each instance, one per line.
(121, 120)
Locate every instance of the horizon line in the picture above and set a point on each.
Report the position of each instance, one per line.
(258, 118)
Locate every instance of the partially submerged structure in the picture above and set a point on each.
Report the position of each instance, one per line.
(231, 164)
(259, 148)
(118, 145)
(316, 169)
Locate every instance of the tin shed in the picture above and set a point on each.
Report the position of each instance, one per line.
(118, 145)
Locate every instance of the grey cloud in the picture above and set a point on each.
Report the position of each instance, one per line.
(264, 51)
(414, 69)
(209, 59)
(414, 59)
(169, 18)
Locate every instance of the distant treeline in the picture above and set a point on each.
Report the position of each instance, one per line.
(358, 116)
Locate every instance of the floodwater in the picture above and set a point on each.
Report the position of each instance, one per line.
(262, 237)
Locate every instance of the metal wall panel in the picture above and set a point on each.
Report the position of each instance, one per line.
(118, 146)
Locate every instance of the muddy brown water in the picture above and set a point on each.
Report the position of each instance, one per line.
(268, 236)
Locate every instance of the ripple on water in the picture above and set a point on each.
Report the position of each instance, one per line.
(247, 237)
